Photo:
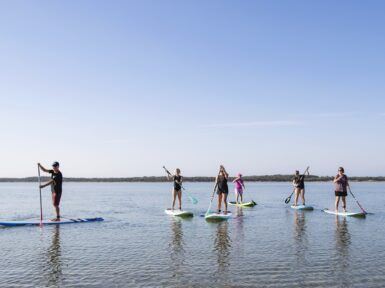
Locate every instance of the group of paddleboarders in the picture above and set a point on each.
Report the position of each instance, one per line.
(341, 188)
(222, 189)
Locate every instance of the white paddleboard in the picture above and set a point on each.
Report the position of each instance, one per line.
(178, 213)
(218, 217)
(345, 214)
(302, 207)
(48, 222)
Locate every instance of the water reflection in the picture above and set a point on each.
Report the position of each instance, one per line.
(176, 247)
(342, 244)
(54, 259)
(300, 239)
(299, 226)
(343, 238)
(239, 233)
(222, 245)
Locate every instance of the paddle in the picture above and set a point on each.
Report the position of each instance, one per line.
(288, 199)
(363, 210)
(211, 199)
(41, 205)
(191, 198)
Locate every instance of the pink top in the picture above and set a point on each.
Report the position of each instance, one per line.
(239, 184)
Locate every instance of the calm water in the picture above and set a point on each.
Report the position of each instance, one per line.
(139, 246)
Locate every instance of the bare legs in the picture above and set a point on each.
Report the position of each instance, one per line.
(343, 198)
(57, 208)
(224, 197)
(303, 196)
(175, 194)
(299, 191)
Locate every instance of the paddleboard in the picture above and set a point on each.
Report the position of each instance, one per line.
(179, 213)
(245, 204)
(345, 214)
(302, 207)
(49, 222)
(217, 217)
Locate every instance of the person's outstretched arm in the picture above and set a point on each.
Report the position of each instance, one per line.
(42, 168)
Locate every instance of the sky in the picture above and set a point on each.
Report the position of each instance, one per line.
(121, 88)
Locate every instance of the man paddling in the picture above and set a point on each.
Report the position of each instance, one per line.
(56, 186)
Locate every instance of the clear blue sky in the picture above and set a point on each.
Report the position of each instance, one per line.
(120, 88)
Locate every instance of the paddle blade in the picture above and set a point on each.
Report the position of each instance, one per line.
(194, 200)
(287, 200)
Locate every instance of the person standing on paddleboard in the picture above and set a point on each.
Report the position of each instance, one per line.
(239, 186)
(177, 190)
(341, 183)
(222, 188)
(56, 186)
(299, 187)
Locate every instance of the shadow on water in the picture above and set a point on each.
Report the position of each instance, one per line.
(176, 247)
(342, 245)
(53, 260)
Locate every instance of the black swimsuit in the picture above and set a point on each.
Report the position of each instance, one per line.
(222, 185)
(299, 182)
(177, 186)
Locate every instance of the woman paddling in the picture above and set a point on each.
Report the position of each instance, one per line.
(239, 186)
(177, 189)
(299, 186)
(222, 188)
(341, 191)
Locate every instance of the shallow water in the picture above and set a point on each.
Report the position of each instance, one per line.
(138, 245)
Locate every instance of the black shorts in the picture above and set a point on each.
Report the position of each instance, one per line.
(341, 194)
(56, 196)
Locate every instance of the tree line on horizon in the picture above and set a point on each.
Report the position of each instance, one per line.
(260, 178)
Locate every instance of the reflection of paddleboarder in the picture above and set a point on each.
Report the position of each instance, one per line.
(222, 247)
(54, 261)
(56, 186)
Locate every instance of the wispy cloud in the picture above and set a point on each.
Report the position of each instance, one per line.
(279, 123)
(336, 114)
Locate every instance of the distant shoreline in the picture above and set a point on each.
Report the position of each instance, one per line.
(156, 179)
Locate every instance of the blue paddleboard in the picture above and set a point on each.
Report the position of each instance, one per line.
(49, 222)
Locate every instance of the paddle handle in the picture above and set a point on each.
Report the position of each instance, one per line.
(41, 202)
